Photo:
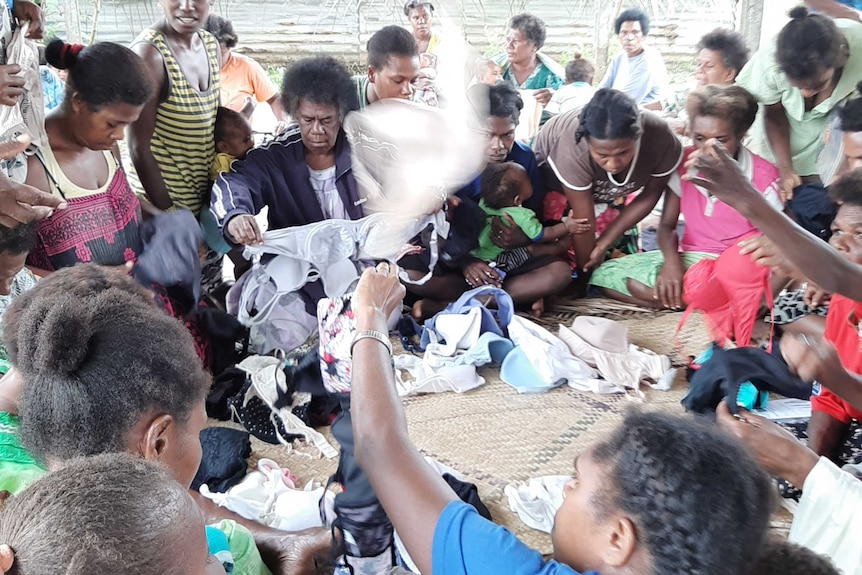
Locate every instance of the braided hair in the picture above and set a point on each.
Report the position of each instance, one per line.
(610, 115)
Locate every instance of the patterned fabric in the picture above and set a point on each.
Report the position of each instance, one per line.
(789, 306)
(512, 259)
(849, 451)
(337, 328)
(101, 228)
(182, 142)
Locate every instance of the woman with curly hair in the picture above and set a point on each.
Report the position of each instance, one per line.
(304, 175)
(523, 65)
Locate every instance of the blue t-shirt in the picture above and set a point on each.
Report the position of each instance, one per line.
(521, 154)
(465, 543)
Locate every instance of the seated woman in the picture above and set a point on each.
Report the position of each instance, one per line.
(599, 157)
(630, 507)
(131, 382)
(106, 90)
(304, 175)
(654, 279)
(523, 65)
(129, 517)
(813, 66)
(504, 105)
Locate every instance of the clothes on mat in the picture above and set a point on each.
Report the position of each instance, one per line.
(224, 458)
(721, 376)
(827, 518)
(269, 496)
(541, 361)
(604, 344)
(18, 469)
(462, 539)
(267, 386)
(537, 502)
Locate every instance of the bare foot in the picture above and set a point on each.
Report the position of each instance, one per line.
(538, 307)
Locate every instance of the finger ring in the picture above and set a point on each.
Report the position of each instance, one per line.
(383, 267)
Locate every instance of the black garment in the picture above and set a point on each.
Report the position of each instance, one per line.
(224, 461)
(225, 385)
(468, 493)
(223, 332)
(357, 509)
(170, 256)
(812, 209)
(727, 369)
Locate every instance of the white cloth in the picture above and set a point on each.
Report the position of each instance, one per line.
(551, 359)
(829, 517)
(537, 503)
(574, 96)
(603, 344)
(643, 78)
(323, 184)
(268, 497)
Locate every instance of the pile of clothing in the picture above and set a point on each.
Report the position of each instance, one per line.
(593, 354)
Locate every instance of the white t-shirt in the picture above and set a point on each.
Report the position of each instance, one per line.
(643, 78)
(323, 184)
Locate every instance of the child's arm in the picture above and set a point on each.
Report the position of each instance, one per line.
(570, 226)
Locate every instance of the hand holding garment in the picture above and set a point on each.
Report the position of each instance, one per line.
(170, 254)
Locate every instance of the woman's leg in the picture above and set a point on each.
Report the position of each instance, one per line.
(435, 294)
(641, 295)
(532, 287)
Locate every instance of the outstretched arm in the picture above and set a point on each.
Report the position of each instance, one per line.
(834, 9)
(816, 259)
(412, 494)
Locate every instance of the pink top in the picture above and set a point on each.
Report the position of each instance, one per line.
(711, 226)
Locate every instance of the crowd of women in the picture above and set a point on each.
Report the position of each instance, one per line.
(102, 403)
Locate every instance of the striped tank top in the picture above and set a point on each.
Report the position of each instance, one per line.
(182, 142)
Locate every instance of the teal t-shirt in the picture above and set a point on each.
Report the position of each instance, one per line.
(524, 218)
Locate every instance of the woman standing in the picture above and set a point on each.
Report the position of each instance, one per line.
(106, 90)
(172, 142)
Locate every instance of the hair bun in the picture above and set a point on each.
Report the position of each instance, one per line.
(799, 12)
(61, 55)
(54, 336)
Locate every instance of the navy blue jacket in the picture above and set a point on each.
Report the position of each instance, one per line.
(277, 176)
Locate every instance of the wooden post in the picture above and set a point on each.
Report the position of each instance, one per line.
(751, 22)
